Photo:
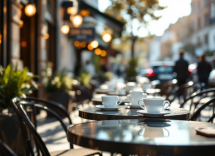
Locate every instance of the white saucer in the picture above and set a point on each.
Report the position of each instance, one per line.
(108, 108)
(132, 106)
(145, 113)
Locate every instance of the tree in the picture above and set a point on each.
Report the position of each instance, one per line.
(130, 10)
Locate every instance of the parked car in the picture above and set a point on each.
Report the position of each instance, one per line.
(143, 72)
(161, 71)
(193, 71)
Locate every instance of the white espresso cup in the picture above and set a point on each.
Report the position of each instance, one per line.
(154, 105)
(135, 96)
(145, 86)
(111, 101)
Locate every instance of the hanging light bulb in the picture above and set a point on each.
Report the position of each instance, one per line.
(76, 20)
(30, 9)
(106, 37)
(103, 53)
(94, 44)
(98, 51)
(65, 29)
(72, 10)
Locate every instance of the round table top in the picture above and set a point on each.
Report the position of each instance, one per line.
(94, 113)
(143, 137)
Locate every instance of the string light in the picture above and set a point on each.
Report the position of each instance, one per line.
(106, 37)
(94, 44)
(30, 10)
(103, 53)
(46, 36)
(98, 51)
(65, 29)
(76, 20)
(72, 10)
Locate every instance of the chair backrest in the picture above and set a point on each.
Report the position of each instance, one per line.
(26, 122)
(168, 86)
(50, 105)
(190, 87)
(196, 98)
(5, 150)
(198, 112)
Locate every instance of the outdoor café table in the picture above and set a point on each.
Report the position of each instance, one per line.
(151, 137)
(94, 113)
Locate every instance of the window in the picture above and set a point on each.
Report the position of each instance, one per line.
(206, 19)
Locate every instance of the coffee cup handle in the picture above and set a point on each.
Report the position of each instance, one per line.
(140, 104)
(165, 103)
(119, 102)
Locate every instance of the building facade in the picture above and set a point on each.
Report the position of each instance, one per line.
(194, 33)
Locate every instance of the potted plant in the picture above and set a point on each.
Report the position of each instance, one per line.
(57, 86)
(13, 83)
(130, 71)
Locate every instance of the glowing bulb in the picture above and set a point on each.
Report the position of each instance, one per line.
(98, 51)
(94, 44)
(89, 47)
(106, 37)
(76, 20)
(21, 24)
(77, 44)
(103, 53)
(83, 44)
(30, 10)
(72, 10)
(46, 36)
(84, 13)
(65, 29)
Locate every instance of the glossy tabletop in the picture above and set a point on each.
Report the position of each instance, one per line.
(94, 113)
(151, 137)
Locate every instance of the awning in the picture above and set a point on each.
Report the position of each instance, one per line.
(111, 22)
(103, 18)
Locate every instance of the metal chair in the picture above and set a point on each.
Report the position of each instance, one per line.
(198, 112)
(197, 99)
(187, 88)
(5, 150)
(167, 87)
(28, 126)
(51, 105)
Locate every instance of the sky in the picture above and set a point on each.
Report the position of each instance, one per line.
(175, 10)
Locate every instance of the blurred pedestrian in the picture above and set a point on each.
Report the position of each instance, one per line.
(203, 69)
(89, 67)
(213, 61)
(181, 69)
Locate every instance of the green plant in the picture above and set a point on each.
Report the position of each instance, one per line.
(84, 78)
(58, 82)
(14, 83)
(131, 68)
